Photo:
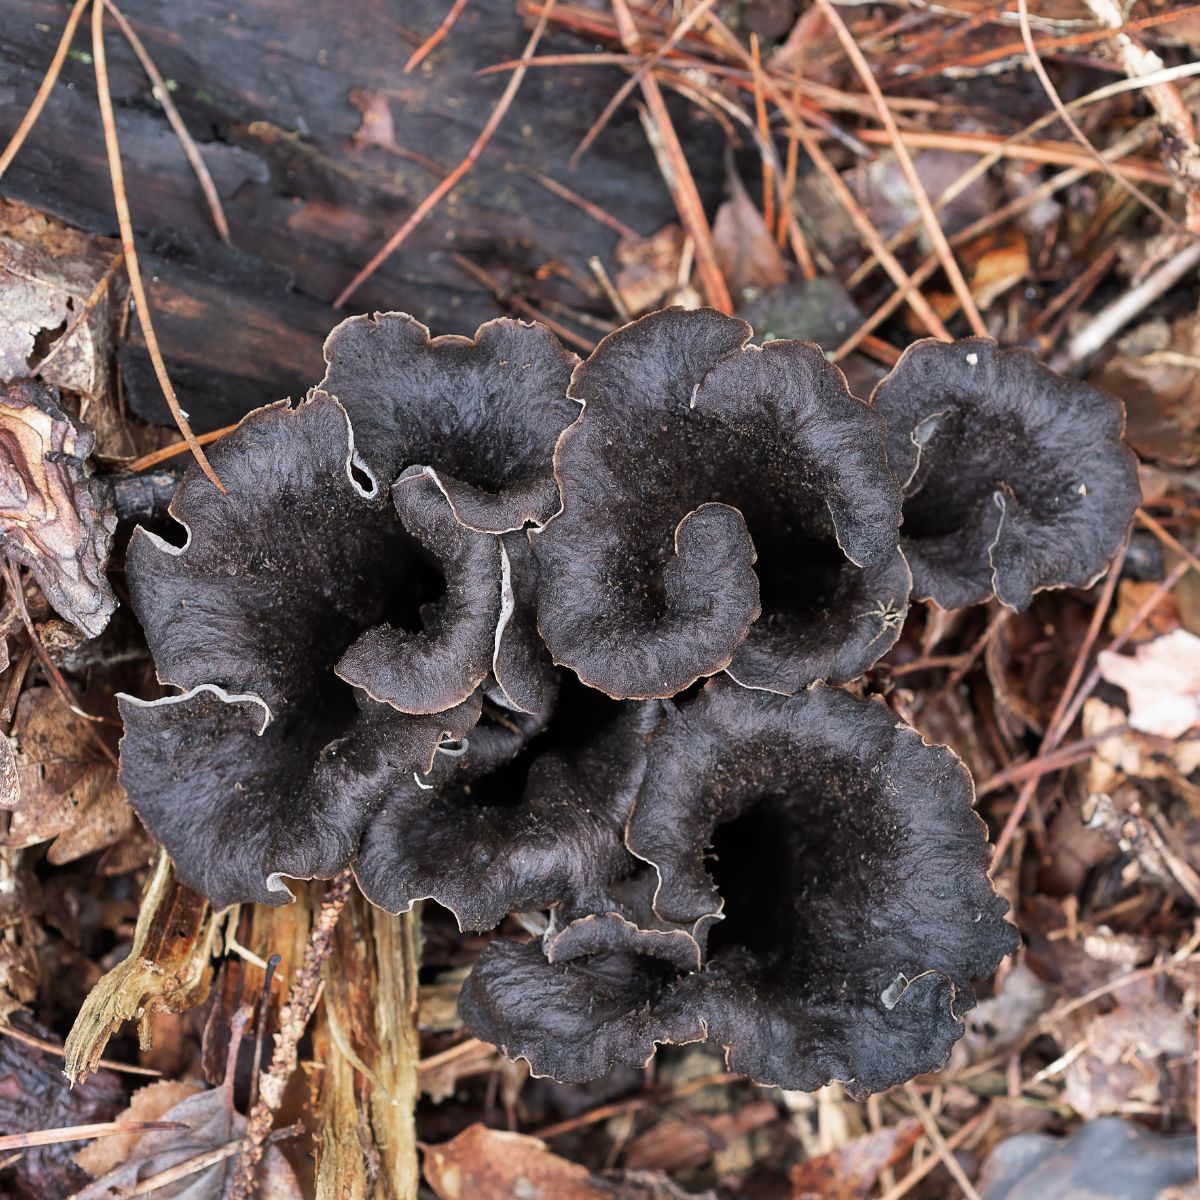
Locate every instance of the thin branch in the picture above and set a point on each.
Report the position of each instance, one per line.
(79, 1133)
(422, 52)
(934, 1134)
(936, 234)
(1111, 319)
(644, 69)
(910, 1181)
(293, 1020)
(107, 1064)
(190, 149)
(125, 221)
(677, 174)
(1069, 121)
(592, 209)
(29, 120)
(1066, 713)
(177, 448)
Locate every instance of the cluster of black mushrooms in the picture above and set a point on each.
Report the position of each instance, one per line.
(363, 641)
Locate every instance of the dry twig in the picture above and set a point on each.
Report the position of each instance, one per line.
(933, 227)
(431, 43)
(117, 174)
(1069, 121)
(44, 88)
(163, 95)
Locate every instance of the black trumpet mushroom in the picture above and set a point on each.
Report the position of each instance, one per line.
(840, 918)
(269, 762)
(483, 843)
(1015, 478)
(482, 413)
(361, 641)
(724, 506)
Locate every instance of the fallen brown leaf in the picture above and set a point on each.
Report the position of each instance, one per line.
(488, 1164)
(746, 252)
(1156, 371)
(211, 1123)
(48, 274)
(673, 1144)
(1131, 594)
(1127, 1060)
(851, 1171)
(150, 1103)
(34, 1095)
(648, 269)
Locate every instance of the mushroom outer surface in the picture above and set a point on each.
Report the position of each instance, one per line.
(1015, 478)
(705, 483)
(482, 413)
(269, 764)
(484, 837)
(848, 901)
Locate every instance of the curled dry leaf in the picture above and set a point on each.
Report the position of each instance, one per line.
(65, 787)
(210, 1124)
(488, 1164)
(1156, 371)
(1162, 680)
(649, 268)
(54, 519)
(677, 1143)
(48, 273)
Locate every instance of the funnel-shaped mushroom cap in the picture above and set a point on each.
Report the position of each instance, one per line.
(484, 839)
(705, 482)
(241, 801)
(849, 871)
(1015, 478)
(576, 1020)
(306, 555)
(482, 413)
(278, 578)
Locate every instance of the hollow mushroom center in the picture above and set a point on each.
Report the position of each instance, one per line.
(961, 469)
(806, 873)
(800, 563)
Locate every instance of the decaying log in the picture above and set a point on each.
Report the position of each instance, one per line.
(366, 1037)
(319, 146)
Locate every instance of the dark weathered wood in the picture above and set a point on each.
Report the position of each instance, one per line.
(273, 93)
